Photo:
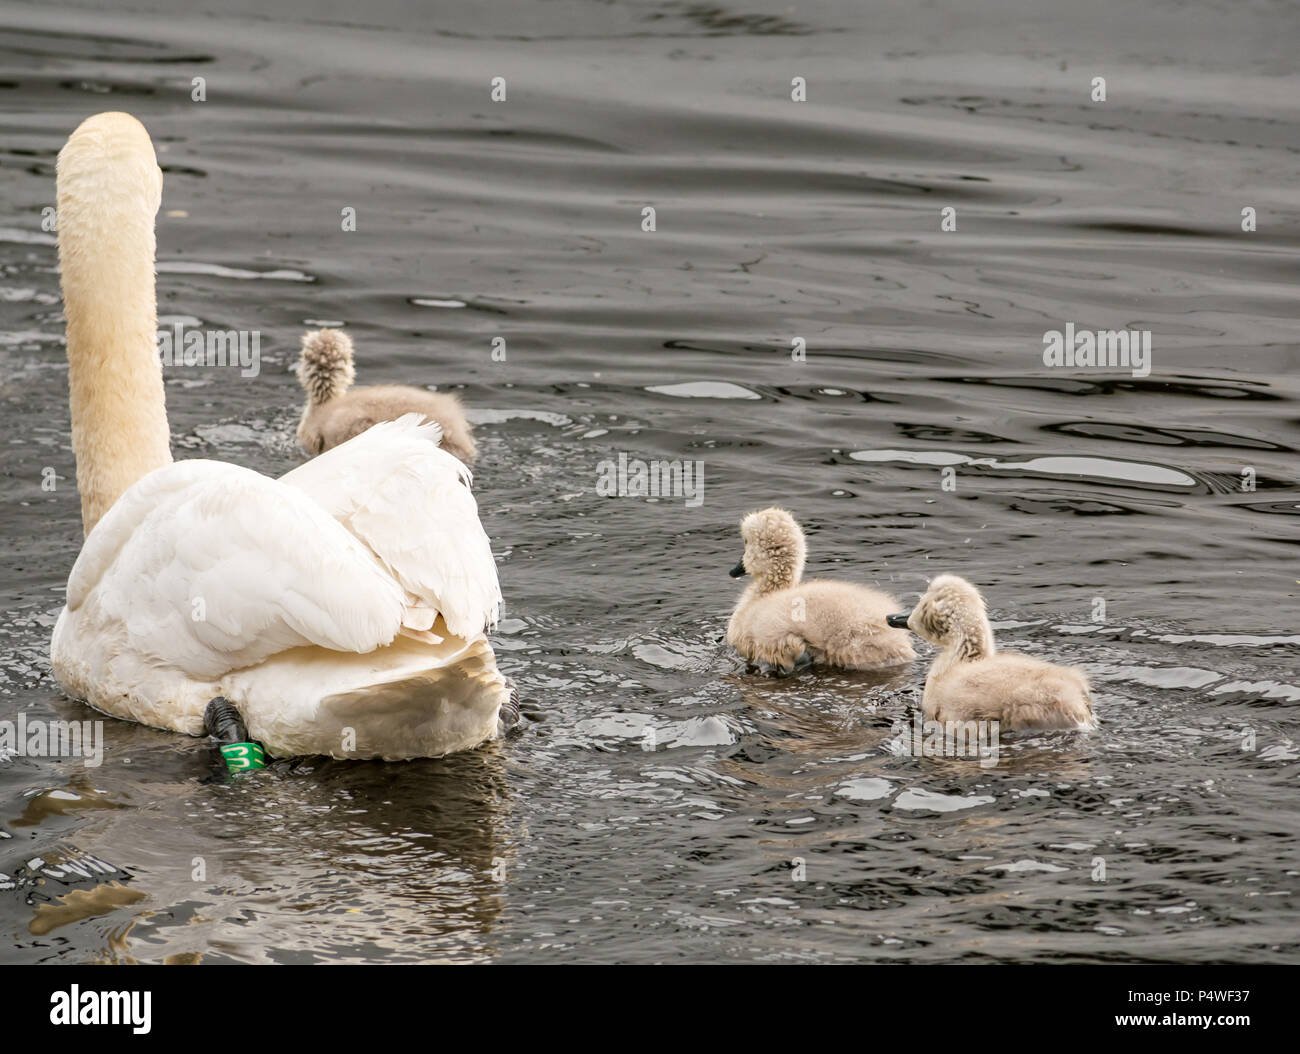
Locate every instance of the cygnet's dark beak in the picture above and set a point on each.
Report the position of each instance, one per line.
(898, 621)
(739, 570)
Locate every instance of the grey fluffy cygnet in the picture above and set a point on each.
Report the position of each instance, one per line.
(781, 622)
(971, 680)
(335, 411)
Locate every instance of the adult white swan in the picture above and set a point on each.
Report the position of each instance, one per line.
(341, 608)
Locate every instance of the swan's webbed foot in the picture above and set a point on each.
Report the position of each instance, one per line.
(223, 722)
(508, 720)
(775, 670)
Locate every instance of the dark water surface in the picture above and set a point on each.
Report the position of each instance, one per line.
(776, 220)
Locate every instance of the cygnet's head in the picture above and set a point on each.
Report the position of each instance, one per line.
(325, 368)
(950, 611)
(774, 549)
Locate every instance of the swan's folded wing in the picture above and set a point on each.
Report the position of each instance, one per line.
(411, 504)
(211, 567)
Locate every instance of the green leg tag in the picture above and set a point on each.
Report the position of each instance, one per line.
(240, 757)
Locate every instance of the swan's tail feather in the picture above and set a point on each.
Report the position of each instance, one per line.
(325, 369)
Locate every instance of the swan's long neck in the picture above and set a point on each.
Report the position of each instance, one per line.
(106, 257)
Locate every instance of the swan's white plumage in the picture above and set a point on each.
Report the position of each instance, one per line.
(378, 489)
(288, 596)
(239, 567)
